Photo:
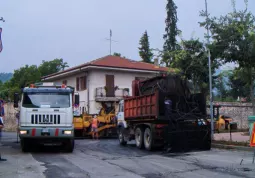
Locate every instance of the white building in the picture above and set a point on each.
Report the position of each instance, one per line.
(107, 79)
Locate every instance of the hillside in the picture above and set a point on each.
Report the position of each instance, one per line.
(5, 76)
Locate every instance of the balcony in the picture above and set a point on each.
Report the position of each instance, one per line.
(105, 95)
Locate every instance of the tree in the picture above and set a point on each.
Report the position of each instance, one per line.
(26, 75)
(172, 31)
(220, 85)
(144, 50)
(234, 40)
(50, 67)
(117, 54)
(191, 59)
(239, 88)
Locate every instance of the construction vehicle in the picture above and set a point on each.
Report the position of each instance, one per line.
(107, 126)
(221, 122)
(46, 115)
(164, 113)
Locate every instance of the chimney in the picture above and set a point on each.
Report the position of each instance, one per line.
(156, 62)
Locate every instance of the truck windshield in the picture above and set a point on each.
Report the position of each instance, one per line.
(46, 100)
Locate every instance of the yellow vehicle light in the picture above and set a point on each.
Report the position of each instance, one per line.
(68, 132)
(22, 132)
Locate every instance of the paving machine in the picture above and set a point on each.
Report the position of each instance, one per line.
(107, 126)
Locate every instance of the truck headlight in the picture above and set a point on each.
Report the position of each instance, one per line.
(68, 132)
(23, 132)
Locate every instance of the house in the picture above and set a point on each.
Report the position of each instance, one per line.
(107, 79)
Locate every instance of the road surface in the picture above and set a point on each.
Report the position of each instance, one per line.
(105, 158)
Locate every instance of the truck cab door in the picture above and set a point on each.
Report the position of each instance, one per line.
(120, 115)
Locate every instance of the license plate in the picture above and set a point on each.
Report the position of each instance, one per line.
(45, 131)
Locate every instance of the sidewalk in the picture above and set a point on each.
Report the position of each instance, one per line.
(236, 137)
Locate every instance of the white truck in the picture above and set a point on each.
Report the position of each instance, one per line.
(46, 115)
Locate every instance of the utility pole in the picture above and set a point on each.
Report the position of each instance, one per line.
(1, 47)
(110, 39)
(210, 71)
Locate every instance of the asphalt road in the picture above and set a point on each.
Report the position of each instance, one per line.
(105, 158)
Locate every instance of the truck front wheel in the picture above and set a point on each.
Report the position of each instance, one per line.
(69, 145)
(148, 140)
(139, 137)
(24, 145)
(121, 137)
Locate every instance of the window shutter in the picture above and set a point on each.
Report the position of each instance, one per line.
(77, 84)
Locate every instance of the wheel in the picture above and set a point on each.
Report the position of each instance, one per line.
(206, 145)
(69, 145)
(139, 137)
(148, 139)
(121, 137)
(24, 145)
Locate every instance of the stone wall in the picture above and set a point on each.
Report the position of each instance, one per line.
(10, 123)
(238, 111)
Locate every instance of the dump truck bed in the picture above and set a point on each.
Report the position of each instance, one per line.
(141, 107)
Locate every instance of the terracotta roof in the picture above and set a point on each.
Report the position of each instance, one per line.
(116, 62)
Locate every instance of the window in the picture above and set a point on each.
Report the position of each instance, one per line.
(81, 83)
(121, 108)
(49, 100)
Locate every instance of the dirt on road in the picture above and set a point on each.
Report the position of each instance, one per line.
(105, 158)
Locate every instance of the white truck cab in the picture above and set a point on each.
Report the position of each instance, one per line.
(46, 115)
(120, 116)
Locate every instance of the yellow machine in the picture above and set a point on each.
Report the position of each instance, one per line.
(221, 122)
(107, 125)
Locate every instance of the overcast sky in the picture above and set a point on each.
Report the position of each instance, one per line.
(76, 30)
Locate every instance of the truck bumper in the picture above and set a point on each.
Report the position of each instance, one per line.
(46, 133)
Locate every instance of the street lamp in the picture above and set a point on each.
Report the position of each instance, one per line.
(210, 72)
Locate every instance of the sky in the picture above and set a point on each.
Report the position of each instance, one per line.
(77, 30)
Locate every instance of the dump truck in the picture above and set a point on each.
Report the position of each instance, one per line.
(46, 115)
(163, 113)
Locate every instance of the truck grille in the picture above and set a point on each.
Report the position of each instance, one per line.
(45, 118)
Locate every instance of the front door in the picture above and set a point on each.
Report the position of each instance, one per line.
(110, 86)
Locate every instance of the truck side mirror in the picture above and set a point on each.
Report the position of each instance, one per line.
(76, 99)
(16, 100)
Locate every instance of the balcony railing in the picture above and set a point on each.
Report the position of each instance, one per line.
(103, 94)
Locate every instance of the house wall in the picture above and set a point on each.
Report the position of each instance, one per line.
(71, 81)
(95, 79)
(121, 79)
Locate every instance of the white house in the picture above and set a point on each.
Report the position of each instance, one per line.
(107, 79)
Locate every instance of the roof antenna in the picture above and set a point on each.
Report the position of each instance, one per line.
(110, 39)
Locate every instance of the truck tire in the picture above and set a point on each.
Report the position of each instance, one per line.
(24, 145)
(206, 145)
(148, 139)
(69, 145)
(121, 137)
(139, 137)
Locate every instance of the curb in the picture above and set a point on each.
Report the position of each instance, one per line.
(240, 148)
